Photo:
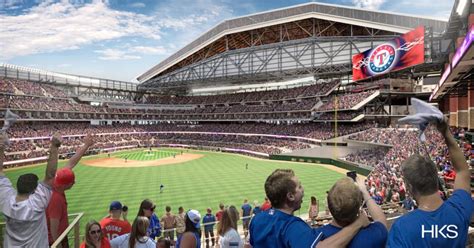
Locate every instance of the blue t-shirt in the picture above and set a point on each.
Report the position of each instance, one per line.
(408, 204)
(447, 226)
(256, 210)
(154, 230)
(276, 229)
(374, 235)
(246, 209)
(208, 218)
(196, 236)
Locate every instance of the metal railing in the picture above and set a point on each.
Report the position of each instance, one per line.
(73, 225)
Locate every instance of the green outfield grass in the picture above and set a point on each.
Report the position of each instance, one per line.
(198, 184)
(145, 155)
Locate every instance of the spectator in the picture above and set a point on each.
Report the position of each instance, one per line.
(313, 210)
(220, 212)
(169, 223)
(163, 243)
(246, 215)
(24, 210)
(192, 236)
(147, 209)
(408, 203)
(256, 208)
(345, 200)
(279, 228)
(94, 237)
(419, 227)
(180, 222)
(56, 214)
(266, 204)
(227, 230)
(112, 225)
(208, 222)
(138, 238)
(219, 218)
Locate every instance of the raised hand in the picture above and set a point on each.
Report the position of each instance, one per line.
(56, 140)
(443, 126)
(89, 140)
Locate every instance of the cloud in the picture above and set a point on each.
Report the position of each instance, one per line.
(51, 27)
(368, 4)
(130, 52)
(69, 25)
(115, 54)
(138, 5)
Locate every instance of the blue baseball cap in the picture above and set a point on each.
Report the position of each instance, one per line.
(115, 205)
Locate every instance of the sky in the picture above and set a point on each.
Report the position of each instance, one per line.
(121, 39)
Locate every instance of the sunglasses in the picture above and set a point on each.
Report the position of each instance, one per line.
(92, 232)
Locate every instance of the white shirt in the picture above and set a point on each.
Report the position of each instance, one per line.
(122, 242)
(231, 239)
(25, 220)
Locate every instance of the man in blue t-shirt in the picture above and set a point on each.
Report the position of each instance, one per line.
(435, 223)
(246, 212)
(208, 222)
(344, 202)
(279, 228)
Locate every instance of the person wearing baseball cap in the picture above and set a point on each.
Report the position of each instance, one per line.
(192, 236)
(56, 214)
(112, 225)
(24, 209)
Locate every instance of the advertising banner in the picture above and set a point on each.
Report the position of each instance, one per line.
(402, 52)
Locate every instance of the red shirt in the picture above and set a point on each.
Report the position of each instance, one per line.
(104, 243)
(114, 228)
(451, 175)
(57, 209)
(266, 205)
(219, 215)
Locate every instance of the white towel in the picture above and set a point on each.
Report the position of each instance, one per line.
(424, 114)
(10, 119)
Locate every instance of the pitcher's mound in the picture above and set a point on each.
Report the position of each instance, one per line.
(120, 163)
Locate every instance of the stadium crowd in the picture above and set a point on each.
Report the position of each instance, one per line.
(346, 101)
(30, 140)
(319, 89)
(385, 181)
(33, 100)
(122, 135)
(345, 115)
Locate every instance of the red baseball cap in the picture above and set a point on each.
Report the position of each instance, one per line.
(64, 176)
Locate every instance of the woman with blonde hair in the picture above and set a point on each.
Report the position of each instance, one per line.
(137, 238)
(227, 230)
(94, 237)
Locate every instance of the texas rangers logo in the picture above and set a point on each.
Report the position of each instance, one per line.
(382, 58)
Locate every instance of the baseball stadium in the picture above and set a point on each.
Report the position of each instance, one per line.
(321, 89)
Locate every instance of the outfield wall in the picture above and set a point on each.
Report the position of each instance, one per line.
(319, 160)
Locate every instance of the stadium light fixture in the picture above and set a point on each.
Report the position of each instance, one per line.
(461, 6)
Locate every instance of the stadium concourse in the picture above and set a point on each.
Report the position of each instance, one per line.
(349, 78)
